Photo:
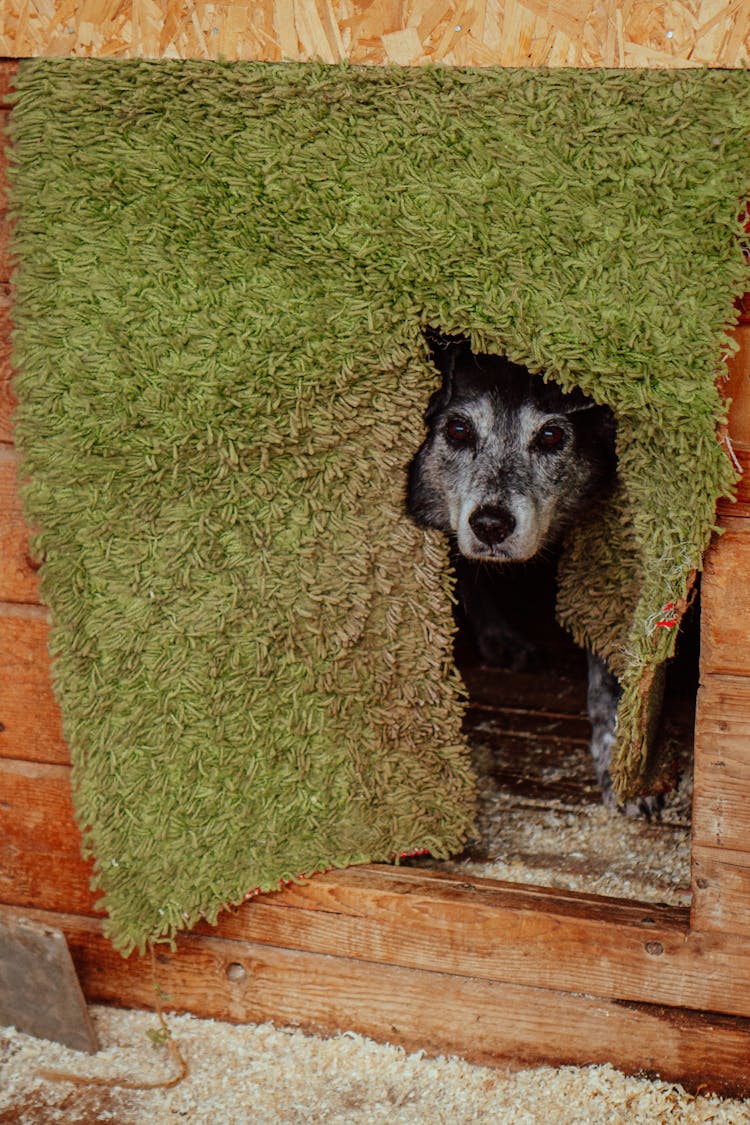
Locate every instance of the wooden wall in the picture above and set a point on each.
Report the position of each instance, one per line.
(464, 33)
(721, 808)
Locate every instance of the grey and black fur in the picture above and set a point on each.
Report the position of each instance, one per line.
(508, 466)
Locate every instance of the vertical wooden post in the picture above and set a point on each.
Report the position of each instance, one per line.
(721, 801)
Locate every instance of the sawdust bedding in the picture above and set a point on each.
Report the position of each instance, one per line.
(580, 848)
(267, 1075)
(583, 853)
(540, 819)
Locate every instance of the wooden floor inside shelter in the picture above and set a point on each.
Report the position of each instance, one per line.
(541, 820)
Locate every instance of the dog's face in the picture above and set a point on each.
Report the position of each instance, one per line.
(509, 461)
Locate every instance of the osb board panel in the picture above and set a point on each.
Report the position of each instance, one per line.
(483, 1021)
(407, 32)
(721, 890)
(721, 795)
(30, 724)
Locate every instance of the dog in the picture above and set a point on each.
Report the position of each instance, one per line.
(509, 464)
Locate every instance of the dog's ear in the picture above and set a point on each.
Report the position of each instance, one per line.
(566, 402)
(597, 417)
(445, 352)
(596, 431)
(439, 399)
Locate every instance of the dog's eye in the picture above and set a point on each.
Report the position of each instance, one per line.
(459, 432)
(550, 437)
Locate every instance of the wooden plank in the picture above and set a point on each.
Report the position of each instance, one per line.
(739, 506)
(30, 723)
(737, 385)
(415, 919)
(515, 723)
(721, 890)
(40, 856)
(4, 116)
(553, 692)
(725, 603)
(721, 802)
(5, 257)
(18, 580)
(532, 936)
(8, 68)
(7, 398)
(549, 772)
(485, 1022)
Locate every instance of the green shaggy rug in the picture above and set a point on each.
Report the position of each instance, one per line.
(223, 276)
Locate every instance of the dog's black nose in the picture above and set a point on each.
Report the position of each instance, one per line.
(492, 525)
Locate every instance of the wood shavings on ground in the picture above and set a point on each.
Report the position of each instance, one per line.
(275, 1076)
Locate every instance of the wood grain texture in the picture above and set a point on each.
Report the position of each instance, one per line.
(7, 398)
(721, 890)
(414, 919)
(40, 857)
(30, 724)
(737, 387)
(4, 115)
(483, 1021)
(7, 401)
(725, 602)
(739, 506)
(555, 939)
(8, 67)
(18, 568)
(5, 255)
(674, 33)
(721, 804)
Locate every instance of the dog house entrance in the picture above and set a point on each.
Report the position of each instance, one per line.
(541, 820)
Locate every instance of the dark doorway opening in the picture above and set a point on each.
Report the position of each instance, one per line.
(540, 817)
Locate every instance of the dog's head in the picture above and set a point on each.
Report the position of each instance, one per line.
(509, 461)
